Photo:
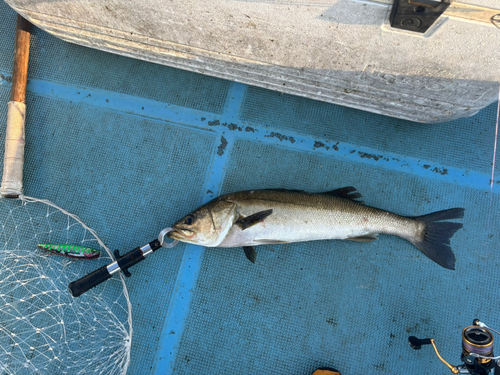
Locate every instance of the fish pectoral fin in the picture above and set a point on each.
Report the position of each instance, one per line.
(247, 222)
(366, 238)
(250, 253)
(348, 192)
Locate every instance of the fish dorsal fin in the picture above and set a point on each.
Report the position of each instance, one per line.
(247, 222)
(366, 238)
(348, 192)
(288, 190)
(250, 253)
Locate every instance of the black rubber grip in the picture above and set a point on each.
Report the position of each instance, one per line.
(130, 259)
(78, 287)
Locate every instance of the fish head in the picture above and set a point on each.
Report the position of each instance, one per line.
(206, 226)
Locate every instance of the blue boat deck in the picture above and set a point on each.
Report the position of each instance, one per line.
(130, 147)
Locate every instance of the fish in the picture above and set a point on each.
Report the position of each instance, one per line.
(71, 251)
(263, 217)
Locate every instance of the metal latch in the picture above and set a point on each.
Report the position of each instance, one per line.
(416, 15)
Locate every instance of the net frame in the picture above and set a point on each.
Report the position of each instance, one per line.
(71, 350)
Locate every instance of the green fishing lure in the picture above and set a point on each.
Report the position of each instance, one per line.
(72, 251)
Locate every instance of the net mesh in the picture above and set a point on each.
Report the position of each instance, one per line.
(43, 329)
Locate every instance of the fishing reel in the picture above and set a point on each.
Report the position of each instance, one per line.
(477, 350)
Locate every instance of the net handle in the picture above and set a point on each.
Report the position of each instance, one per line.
(12, 180)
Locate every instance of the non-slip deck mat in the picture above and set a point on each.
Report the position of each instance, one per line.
(464, 143)
(131, 147)
(335, 303)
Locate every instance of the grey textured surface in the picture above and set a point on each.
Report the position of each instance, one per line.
(340, 51)
(99, 70)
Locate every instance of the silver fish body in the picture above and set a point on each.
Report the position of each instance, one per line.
(299, 217)
(261, 217)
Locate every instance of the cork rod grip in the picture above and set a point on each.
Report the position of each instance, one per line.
(12, 180)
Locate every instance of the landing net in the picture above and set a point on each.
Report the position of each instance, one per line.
(43, 329)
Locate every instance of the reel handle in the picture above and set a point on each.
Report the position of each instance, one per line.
(416, 343)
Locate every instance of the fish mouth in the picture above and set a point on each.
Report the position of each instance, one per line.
(181, 234)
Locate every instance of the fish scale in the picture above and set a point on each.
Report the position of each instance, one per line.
(301, 217)
(261, 217)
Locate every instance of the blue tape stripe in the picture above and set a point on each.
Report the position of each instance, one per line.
(395, 162)
(178, 309)
(236, 96)
(229, 123)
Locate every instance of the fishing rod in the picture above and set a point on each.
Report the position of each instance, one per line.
(122, 263)
(477, 350)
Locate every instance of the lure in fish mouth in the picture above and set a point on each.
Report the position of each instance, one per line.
(261, 217)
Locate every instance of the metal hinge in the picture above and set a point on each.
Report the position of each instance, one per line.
(417, 15)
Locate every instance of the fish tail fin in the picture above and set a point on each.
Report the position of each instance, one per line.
(435, 241)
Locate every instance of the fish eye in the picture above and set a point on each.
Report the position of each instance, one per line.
(190, 219)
